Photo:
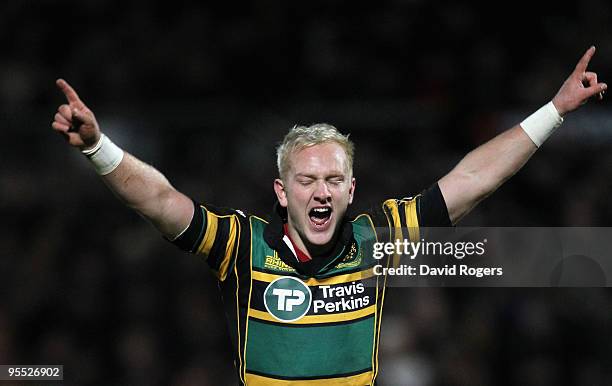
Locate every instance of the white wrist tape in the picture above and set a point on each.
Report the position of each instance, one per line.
(541, 124)
(105, 156)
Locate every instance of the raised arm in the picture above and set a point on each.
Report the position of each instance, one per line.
(484, 169)
(138, 185)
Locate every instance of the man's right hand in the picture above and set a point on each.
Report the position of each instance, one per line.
(75, 121)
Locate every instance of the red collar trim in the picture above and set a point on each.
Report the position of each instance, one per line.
(301, 255)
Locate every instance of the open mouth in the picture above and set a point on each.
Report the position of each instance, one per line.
(320, 216)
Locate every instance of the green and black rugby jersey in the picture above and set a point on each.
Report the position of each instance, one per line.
(313, 323)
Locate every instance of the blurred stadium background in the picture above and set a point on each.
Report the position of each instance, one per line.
(205, 91)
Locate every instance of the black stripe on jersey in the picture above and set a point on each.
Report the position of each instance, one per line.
(431, 208)
(192, 237)
(235, 290)
(310, 378)
(217, 251)
(257, 299)
(401, 209)
(379, 304)
(220, 211)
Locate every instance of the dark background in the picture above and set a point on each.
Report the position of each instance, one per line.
(204, 92)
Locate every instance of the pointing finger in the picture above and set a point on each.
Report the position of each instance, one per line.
(584, 61)
(71, 95)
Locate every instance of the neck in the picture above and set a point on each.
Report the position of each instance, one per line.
(311, 250)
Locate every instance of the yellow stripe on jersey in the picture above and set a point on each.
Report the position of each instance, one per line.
(395, 216)
(397, 226)
(212, 222)
(315, 319)
(233, 229)
(412, 220)
(359, 379)
(347, 278)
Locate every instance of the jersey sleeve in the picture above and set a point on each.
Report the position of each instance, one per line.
(427, 209)
(213, 233)
(431, 208)
(403, 219)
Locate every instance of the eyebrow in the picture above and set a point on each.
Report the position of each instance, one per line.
(308, 175)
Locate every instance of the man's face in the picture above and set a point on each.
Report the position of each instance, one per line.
(316, 190)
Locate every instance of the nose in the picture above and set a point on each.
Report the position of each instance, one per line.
(322, 193)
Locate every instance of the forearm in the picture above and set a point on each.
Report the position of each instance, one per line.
(147, 191)
(485, 169)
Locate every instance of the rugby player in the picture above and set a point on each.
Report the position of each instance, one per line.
(294, 286)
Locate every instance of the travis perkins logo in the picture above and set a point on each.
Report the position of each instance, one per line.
(288, 299)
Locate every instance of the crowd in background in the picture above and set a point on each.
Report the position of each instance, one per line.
(204, 92)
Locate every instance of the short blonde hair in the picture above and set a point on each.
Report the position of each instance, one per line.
(300, 137)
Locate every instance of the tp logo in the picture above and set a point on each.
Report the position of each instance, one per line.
(287, 299)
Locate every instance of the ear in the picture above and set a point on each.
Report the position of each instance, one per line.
(281, 194)
(352, 190)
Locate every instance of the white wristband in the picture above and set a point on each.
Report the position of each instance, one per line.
(541, 124)
(105, 155)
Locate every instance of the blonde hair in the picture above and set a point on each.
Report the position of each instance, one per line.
(300, 137)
